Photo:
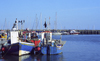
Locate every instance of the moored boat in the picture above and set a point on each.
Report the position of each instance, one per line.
(56, 33)
(74, 32)
(21, 44)
(49, 45)
(65, 33)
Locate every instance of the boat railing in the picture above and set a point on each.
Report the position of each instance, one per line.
(28, 39)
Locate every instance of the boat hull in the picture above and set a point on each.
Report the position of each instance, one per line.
(19, 48)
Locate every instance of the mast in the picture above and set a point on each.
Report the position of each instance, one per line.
(41, 20)
(94, 27)
(22, 21)
(49, 23)
(16, 24)
(36, 22)
(4, 24)
(56, 21)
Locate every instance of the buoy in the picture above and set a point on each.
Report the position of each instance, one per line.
(3, 49)
(37, 49)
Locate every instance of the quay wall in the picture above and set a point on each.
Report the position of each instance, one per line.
(81, 31)
(86, 31)
(89, 31)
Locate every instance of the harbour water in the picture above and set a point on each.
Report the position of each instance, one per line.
(77, 48)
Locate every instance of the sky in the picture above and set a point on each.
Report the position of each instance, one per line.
(64, 14)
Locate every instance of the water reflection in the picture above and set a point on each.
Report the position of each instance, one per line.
(48, 57)
(34, 58)
(10, 58)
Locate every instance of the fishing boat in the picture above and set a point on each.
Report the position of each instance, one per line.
(21, 45)
(49, 45)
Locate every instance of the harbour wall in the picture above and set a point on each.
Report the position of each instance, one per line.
(86, 31)
(81, 31)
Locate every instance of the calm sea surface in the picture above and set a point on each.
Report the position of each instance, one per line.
(77, 48)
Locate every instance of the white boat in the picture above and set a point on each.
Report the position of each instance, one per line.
(65, 33)
(74, 32)
(56, 33)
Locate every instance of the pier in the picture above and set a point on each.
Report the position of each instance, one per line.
(59, 30)
(81, 31)
(85, 31)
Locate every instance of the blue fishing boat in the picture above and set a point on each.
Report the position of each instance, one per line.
(49, 45)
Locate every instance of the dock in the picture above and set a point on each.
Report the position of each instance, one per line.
(81, 31)
(67, 30)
